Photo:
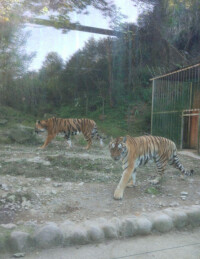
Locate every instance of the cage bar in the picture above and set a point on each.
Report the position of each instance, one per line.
(176, 106)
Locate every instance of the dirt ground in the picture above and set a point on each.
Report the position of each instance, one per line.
(61, 183)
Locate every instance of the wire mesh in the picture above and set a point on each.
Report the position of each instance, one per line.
(173, 94)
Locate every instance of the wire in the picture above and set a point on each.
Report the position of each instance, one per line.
(155, 251)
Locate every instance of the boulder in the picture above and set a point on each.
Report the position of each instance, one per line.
(19, 134)
(19, 241)
(48, 236)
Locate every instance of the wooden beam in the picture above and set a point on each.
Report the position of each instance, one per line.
(73, 26)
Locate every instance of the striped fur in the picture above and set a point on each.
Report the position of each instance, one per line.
(69, 127)
(136, 152)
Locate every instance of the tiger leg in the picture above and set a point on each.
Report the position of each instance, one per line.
(69, 142)
(88, 138)
(101, 142)
(95, 133)
(177, 164)
(48, 140)
(89, 141)
(123, 182)
(161, 168)
(132, 181)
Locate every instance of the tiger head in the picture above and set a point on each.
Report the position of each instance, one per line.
(118, 148)
(41, 126)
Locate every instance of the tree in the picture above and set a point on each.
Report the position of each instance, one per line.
(184, 29)
(13, 60)
(50, 74)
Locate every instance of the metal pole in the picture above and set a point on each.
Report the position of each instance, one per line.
(152, 106)
(182, 125)
(198, 144)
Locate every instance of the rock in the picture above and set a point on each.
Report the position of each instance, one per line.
(48, 236)
(33, 212)
(193, 214)
(183, 198)
(11, 198)
(3, 243)
(117, 224)
(94, 232)
(80, 184)
(174, 204)
(162, 223)
(48, 179)
(4, 195)
(129, 227)
(144, 226)
(19, 241)
(73, 234)
(161, 204)
(21, 134)
(25, 203)
(18, 255)
(31, 223)
(4, 187)
(3, 122)
(109, 228)
(179, 217)
(57, 184)
(54, 192)
(184, 193)
(8, 226)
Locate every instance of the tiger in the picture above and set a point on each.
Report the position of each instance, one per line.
(69, 127)
(137, 151)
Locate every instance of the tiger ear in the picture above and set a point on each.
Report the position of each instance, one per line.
(124, 139)
(111, 139)
(38, 122)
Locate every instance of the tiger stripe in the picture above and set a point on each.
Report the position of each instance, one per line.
(137, 151)
(68, 127)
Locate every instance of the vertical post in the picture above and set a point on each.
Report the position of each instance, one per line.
(190, 117)
(190, 95)
(103, 109)
(198, 144)
(110, 72)
(86, 105)
(182, 125)
(198, 89)
(152, 105)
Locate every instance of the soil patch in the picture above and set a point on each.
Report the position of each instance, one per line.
(59, 183)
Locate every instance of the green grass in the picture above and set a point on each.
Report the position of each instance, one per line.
(116, 119)
(15, 117)
(64, 169)
(114, 124)
(152, 190)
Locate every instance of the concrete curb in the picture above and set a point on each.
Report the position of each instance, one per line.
(98, 230)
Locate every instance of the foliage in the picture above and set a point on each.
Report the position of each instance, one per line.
(107, 80)
(13, 60)
(6, 8)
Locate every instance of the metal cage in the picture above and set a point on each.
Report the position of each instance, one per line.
(176, 107)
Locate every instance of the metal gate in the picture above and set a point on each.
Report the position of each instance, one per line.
(190, 129)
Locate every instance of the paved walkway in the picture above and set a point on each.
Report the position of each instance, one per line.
(173, 245)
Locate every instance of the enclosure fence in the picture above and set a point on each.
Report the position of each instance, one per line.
(176, 107)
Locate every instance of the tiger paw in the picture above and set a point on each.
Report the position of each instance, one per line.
(118, 195)
(155, 181)
(131, 185)
(183, 177)
(40, 147)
